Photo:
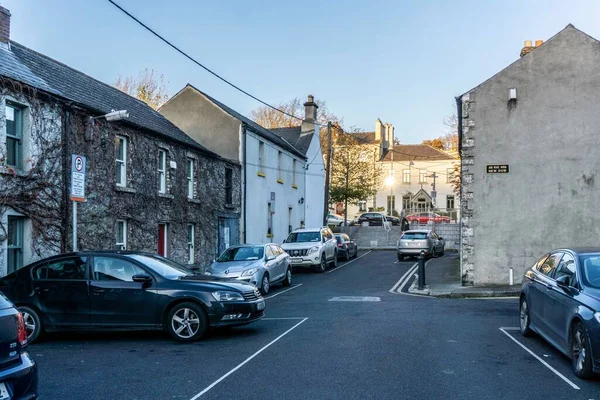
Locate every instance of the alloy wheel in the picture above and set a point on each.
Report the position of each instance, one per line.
(579, 349)
(289, 276)
(524, 316)
(185, 323)
(30, 325)
(265, 284)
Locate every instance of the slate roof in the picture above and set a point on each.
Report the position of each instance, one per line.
(416, 152)
(41, 72)
(293, 135)
(253, 126)
(365, 137)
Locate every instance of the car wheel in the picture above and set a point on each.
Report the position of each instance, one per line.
(347, 255)
(187, 322)
(333, 262)
(33, 323)
(400, 257)
(287, 281)
(443, 252)
(322, 267)
(265, 285)
(581, 354)
(524, 318)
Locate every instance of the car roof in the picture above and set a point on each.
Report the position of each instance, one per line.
(308, 230)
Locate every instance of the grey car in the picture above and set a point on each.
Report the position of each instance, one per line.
(412, 242)
(262, 265)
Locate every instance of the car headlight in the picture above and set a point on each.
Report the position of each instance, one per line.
(250, 272)
(207, 273)
(313, 249)
(227, 296)
(597, 316)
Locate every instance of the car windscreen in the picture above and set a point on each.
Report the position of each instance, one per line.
(4, 303)
(302, 237)
(590, 268)
(339, 239)
(162, 266)
(242, 254)
(414, 236)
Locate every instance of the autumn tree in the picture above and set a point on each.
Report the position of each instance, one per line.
(148, 86)
(449, 140)
(270, 118)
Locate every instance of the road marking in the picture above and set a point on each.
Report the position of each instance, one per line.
(215, 383)
(414, 269)
(283, 318)
(401, 280)
(355, 298)
(283, 291)
(516, 297)
(574, 386)
(346, 263)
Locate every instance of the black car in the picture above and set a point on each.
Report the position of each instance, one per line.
(560, 300)
(18, 371)
(346, 247)
(377, 218)
(124, 290)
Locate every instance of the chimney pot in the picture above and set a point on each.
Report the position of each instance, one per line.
(538, 43)
(4, 25)
(527, 43)
(310, 109)
(528, 46)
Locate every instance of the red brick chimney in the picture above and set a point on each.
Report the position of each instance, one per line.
(4, 25)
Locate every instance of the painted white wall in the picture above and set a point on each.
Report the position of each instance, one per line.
(315, 183)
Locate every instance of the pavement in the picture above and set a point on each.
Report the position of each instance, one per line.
(349, 333)
(442, 278)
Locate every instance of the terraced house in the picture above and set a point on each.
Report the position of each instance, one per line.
(149, 186)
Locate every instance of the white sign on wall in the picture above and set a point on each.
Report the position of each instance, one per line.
(78, 178)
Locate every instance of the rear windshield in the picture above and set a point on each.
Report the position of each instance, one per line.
(242, 254)
(590, 268)
(415, 235)
(301, 237)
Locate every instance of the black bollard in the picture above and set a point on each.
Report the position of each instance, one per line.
(421, 259)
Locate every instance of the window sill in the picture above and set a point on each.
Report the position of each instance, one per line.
(14, 171)
(294, 186)
(125, 189)
(195, 201)
(280, 181)
(261, 174)
(230, 206)
(269, 235)
(166, 196)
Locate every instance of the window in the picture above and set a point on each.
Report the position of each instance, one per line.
(406, 176)
(14, 243)
(449, 175)
(121, 160)
(422, 176)
(391, 204)
(566, 268)
(450, 202)
(228, 186)
(406, 202)
(269, 252)
(190, 178)
(121, 234)
(162, 174)
(547, 268)
(590, 270)
(115, 269)
(294, 166)
(191, 239)
(269, 220)
(14, 135)
(362, 205)
(280, 166)
(72, 268)
(261, 156)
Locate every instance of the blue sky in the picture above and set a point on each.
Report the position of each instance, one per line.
(401, 61)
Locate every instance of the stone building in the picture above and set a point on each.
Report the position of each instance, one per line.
(149, 186)
(529, 146)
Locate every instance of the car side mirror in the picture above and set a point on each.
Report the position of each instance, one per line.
(284, 240)
(563, 282)
(144, 279)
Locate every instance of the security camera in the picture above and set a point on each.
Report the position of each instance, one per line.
(117, 115)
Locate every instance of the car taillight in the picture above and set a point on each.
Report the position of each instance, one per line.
(340, 244)
(22, 332)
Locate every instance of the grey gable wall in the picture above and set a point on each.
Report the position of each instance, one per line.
(549, 137)
(210, 126)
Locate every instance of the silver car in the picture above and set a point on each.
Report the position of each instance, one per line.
(412, 242)
(262, 265)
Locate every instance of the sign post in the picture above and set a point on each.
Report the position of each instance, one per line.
(77, 189)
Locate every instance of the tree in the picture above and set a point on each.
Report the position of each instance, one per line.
(148, 87)
(270, 118)
(355, 175)
(449, 140)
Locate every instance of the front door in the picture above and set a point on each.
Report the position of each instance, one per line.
(162, 240)
(540, 301)
(229, 233)
(116, 299)
(62, 291)
(561, 302)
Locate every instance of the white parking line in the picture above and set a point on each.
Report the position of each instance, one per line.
(346, 263)
(574, 386)
(283, 291)
(283, 318)
(215, 383)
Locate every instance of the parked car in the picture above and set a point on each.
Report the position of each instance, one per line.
(377, 219)
(18, 371)
(315, 248)
(412, 242)
(336, 220)
(427, 217)
(560, 301)
(108, 290)
(262, 265)
(346, 247)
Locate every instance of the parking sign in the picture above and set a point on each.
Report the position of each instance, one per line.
(78, 178)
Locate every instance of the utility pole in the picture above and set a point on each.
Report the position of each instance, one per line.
(433, 199)
(327, 174)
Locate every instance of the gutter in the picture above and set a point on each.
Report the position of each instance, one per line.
(244, 168)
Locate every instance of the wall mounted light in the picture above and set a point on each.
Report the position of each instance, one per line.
(512, 94)
(111, 116)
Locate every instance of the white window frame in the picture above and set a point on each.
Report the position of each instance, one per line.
(18, 137)
(121, 227)
(280, 165)
(17, 250)
(162, 171)
(190, 177)
(123, 162)
(406, 176)
(422, 176)
(191, 243)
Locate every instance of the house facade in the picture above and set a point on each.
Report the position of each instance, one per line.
(528, 138)
(149, 187)
(281, 188)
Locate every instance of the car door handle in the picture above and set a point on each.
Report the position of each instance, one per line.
(37, 289)
(98, 290)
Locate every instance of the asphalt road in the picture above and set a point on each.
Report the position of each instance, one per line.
(309, 347)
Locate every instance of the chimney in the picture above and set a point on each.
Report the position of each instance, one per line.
(527, 47)
(538, 43)
(310, 109)
(378, 130)
(4, 25)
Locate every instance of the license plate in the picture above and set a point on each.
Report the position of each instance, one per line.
(260, 306)
(296, 260)
(4, 392)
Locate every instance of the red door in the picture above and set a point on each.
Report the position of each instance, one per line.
(162, 239)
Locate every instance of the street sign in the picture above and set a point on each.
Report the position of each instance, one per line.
(496, 169)
(78, 178)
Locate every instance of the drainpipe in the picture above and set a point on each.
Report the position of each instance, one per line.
(244, 168)
(460, 193)
(65, 180)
